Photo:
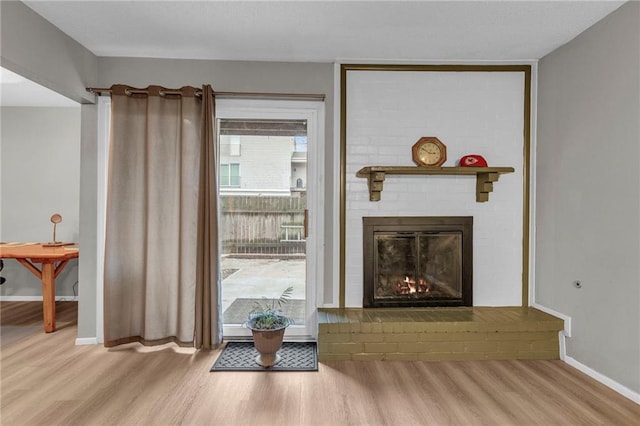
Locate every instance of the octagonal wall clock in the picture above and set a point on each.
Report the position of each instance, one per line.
(429, 151)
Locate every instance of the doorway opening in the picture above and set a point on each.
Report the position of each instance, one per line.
(268, 185)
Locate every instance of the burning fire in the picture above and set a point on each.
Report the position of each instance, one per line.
(408, 286)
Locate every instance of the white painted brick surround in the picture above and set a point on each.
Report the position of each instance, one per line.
(471, 113)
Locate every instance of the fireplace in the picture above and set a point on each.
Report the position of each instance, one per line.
(418, 261)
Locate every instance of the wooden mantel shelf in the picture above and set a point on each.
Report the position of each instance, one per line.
(485, 176)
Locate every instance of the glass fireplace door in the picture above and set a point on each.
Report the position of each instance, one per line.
(417, 261)
(419, 265)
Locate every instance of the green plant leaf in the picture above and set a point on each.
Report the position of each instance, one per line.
(267, 315)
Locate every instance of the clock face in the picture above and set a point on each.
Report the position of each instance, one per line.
(429, 152)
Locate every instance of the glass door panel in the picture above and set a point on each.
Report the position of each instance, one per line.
(263, 211)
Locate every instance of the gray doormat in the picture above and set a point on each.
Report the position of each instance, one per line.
(241, 356)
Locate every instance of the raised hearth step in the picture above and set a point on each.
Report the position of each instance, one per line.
(460, 333)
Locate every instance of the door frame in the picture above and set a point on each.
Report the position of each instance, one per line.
(313, 112)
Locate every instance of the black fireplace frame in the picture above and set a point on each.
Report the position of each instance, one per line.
(427, 224)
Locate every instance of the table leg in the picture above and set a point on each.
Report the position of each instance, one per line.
(49, 296)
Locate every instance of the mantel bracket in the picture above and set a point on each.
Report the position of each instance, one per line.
(375, 180)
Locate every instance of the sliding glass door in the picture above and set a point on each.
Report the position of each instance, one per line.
(265, 210)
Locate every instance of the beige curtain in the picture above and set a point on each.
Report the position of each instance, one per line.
(161, 281)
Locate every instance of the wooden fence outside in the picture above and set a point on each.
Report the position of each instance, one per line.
(263, 225)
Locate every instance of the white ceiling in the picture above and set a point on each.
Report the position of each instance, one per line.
(323, 31)
(17, 91)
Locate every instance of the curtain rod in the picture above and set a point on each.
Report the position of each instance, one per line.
(252, 95)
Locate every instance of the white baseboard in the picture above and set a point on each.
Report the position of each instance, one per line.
(610, 383)
(36, 298)
(86, 341)
(621, 389)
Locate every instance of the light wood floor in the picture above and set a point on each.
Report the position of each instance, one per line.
(46, 379)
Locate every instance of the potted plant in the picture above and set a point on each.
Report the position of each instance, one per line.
(267, 324)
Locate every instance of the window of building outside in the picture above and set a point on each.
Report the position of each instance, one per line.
(230, 175)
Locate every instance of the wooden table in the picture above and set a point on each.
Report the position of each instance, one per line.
(53, 260)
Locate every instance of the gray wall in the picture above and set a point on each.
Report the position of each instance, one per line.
(588, 193)
(40, 175)
(88, 223)
(33, 48)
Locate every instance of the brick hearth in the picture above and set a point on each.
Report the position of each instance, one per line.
(459, 333)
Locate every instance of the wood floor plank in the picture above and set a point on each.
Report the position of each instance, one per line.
(30, 313)
(46, 379)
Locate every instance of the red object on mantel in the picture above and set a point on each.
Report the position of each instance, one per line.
(473, 160)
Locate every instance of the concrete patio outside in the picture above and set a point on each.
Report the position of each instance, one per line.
(261, 277)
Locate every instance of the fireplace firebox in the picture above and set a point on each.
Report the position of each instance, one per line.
(418, 261)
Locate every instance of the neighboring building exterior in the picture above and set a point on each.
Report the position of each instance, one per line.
(262, 163)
